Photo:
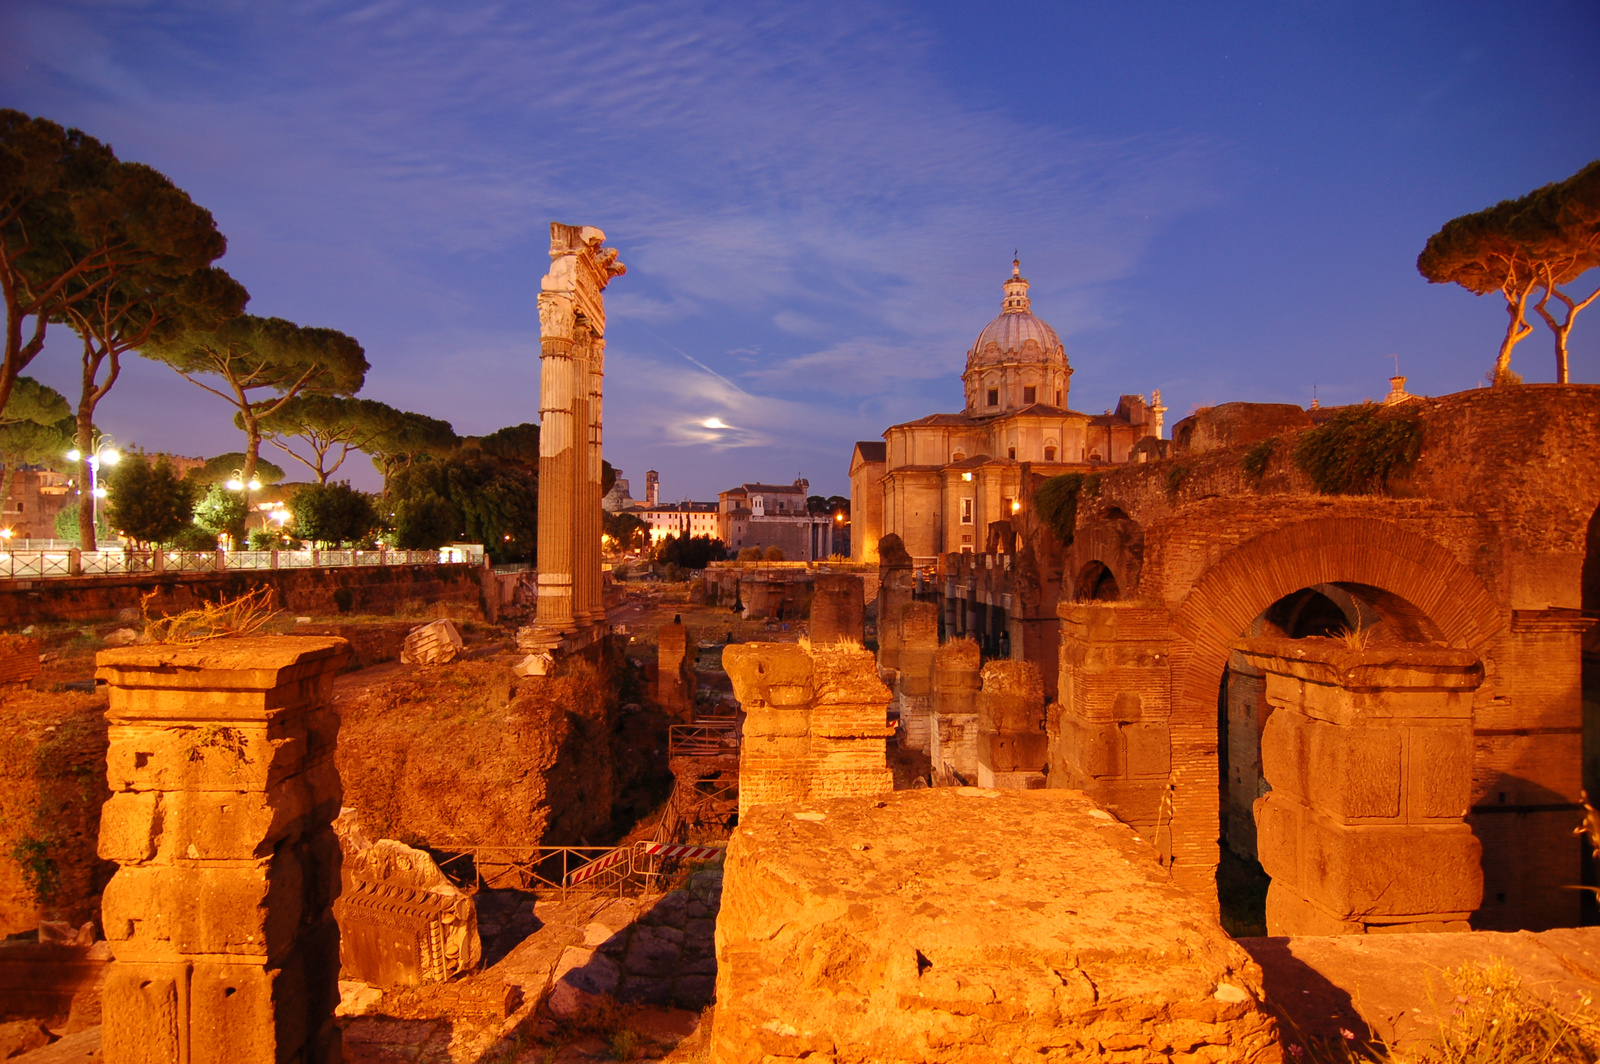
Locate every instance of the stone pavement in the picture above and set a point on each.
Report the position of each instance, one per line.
(1380, 985)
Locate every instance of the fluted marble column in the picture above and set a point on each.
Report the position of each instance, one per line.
(557, 463)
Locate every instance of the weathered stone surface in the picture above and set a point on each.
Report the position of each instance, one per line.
(401, 922)
(222, 767)
(1393, 984)
(966, 924)
(675, 675)
(953, 734)
(434, 643)
(838, 608)
(19, 659)
(815, 721)
(1368, 753)
(1011, 737)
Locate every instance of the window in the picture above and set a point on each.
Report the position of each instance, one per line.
(1029, 395)
(966, 511)
(994, 396)
(1049, 454)
(1058, 396)
(1011, 452)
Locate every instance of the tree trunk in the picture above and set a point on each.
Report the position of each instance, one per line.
(86, 480)
(1517, 330)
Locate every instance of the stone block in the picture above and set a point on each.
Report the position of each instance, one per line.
(1290, 914)
(1278, 818)
(1148, 748)
(1370, 873)
(1351, 772)
(1439, 772)
(838, 608)
(130, 827)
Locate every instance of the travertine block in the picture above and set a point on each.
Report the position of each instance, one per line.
(224, 783)
(1369, 755)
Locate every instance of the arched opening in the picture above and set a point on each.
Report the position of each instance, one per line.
(1352, 612)
(1096, 583)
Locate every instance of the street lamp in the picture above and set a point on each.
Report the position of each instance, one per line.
(238, 483)
(103, 451)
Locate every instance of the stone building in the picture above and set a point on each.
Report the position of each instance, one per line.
(36, 497)
(680, 519)
(938, 482)
(774, 515)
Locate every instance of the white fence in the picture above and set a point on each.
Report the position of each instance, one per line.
(31, 563)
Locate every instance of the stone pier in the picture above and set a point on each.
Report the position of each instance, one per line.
(895, 588)
(953, 736)
(919, 640)
(816, 723)
(675, 676)
(572, 323)
(1110, 729)
(1369, 756)
(223, 792)
(1011, 739)
(838, 609)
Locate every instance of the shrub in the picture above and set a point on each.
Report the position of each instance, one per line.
(774, 554)
(1176, 477)
(750, 554)
(1359, 450)
(1056, 503)
(1254, 462)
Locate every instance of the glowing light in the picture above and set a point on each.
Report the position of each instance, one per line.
(5, 533)
(966, 476)
(715, 423)
(1015, 505)
(110, 457)
(99, 493)
(235, 484)
(255, 485)
(74, 454)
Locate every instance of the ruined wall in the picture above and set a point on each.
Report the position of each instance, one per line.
(364, 589)
(964, 924)
(913, 681)
(470, 754)
(815, 721)
(52, 785)
(838, 608)
(1485, 539)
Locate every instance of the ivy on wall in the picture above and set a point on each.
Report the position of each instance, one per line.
(1254, 462)
(1357, 451)
(1056, 503)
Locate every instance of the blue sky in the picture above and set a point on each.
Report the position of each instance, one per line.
(817, 202)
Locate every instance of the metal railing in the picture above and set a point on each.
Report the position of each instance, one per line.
(706, 737)
(41, 562)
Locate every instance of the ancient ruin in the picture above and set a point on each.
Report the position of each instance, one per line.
(224, 791)
(814, 724)
(960, 924)
(572, 329)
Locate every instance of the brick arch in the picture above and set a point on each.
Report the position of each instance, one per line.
(1233, 591)
(1109, 543)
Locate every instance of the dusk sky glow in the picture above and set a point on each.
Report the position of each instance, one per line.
(817, 203)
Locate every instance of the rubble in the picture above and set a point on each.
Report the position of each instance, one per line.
(435, 643)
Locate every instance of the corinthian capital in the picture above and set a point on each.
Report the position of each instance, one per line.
(555, 316)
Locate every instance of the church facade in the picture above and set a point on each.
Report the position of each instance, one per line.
(940, 481)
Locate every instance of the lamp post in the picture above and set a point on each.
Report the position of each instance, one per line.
(238, 483)
(102, 451)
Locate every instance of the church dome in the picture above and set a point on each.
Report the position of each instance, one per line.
(1017, 335)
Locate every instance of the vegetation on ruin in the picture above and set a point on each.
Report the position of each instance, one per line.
(1359, 450)
(1254, 462)
(39, 872)
(243, 615)
(1176, 477)
(1056, 503)
(1544, 240)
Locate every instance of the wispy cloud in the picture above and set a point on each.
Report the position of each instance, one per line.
(794, 180)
